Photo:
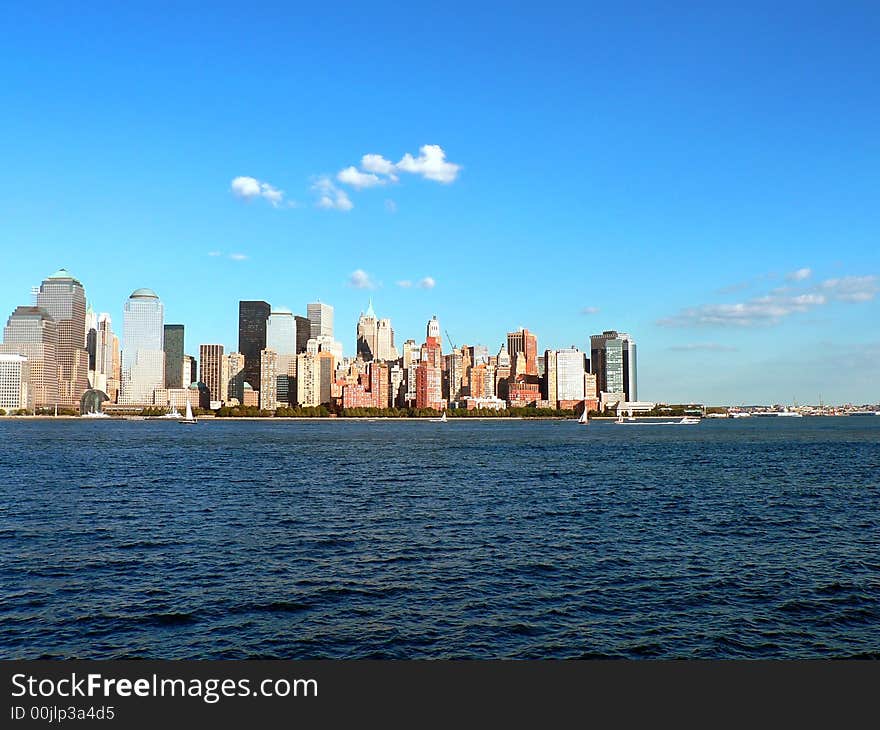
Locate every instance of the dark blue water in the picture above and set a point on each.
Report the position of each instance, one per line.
(745, 538)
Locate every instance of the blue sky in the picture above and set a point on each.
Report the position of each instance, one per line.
(703, 176)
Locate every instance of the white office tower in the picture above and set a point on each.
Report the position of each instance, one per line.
(320, 320)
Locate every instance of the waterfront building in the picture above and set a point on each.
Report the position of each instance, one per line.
(64, 298)
(252, 318)
(308, 379)
(550, 382)
(502, 372)
(523, 393)
(106, 372)
(454, 370)
(429, 376)
(32, 333)
(397, 379)
(320, 319)
(380, 382)
(269, 381)
(281, 332)
(91, 342)
(190, 370)
(250, 398)
(570, 371)
(143, 352)
(211, 362)
(177, 398)
(174, 356)
(613, 362)
(234, 367)
(488, 402)
(285, 380)
(523, 341)
(13, 382)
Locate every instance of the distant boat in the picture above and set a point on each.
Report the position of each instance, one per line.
(686, 421)
(190, 419)
(442, 419)
(173, 414)
(585, 418)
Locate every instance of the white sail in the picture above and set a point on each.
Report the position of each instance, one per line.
(189, 412)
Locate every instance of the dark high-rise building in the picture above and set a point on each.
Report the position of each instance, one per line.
(252, 317)
(613, 362)
(303, 333)
(174, 355)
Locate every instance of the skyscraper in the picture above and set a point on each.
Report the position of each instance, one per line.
(613, 362)
(64, 298)
(211, 371)
(281, 332)
(433, 330)
(269, 382)
(252, 319)
(143, 350)
(367, 336)
(570, 369)
(13, 382)
(174, 355)
(234, 366)
(32, 333)
(385, 349)
(105, 378)
(320, 320)
(527, 343)
(303, 333)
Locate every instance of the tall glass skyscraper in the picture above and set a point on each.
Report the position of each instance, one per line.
(64, 298)
(174, 356)
(281, 332)
(143, 348)
(252, 319)
(613, 361)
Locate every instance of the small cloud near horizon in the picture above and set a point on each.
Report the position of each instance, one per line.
(427, 283)
(590, 310)
(249, 188)
(799, 274)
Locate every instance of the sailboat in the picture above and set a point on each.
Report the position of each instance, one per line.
(442, 419)
(190, 418)
(585, 418)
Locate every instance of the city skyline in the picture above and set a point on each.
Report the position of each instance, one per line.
(716, 201)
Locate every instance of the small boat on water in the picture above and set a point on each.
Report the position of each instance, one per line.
(686, 421)
(442, 419)
(190, 418)
(584, 420)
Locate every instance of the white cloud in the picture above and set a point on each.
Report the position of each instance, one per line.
(427, 283)
(852, 288)
(238, 256)
(590, 310)
(780, 303)
(379, 165)
(390, 205)
(799, 274)
(430, 164)
(360, 279)
(329, 196)
(405, 284)
(249, 188)
(357, 179)
(215, 253)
